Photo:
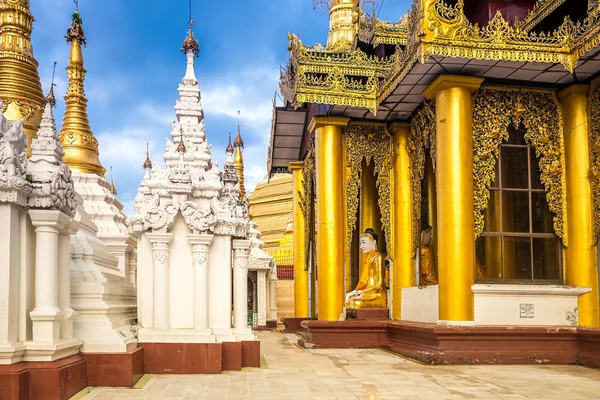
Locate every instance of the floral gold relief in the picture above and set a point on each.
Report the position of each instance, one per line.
(538, 111)
(370, 142)
(594, 111)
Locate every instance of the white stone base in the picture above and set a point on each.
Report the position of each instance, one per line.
(420, 304)
(41, 351)
(244, 334)
(151, 335)
(526, 305)
(11, 353)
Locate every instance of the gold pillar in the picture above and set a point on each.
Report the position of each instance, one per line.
(370, 216)
(343, 22)
(454, 179)
(403, 270)
(581, 255)
(300, 262)
(330, 217)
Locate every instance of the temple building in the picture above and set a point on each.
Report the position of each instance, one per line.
(460, 142)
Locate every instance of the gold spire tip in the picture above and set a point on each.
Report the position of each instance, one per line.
(181, 146)
(51, 98)
(229, 148)
(190, 43)
(238, 142)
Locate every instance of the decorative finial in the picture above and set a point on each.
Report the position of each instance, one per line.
(113, 188)
(190, 43)
(147, 163)
(238, 142)
(75, 31)
(229, 148)
(181, 145)
(50, 98)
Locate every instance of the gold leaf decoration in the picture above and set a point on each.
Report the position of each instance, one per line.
(370, 142)
(307, 202)
(494, 109)
(594, 111)
(422, 137)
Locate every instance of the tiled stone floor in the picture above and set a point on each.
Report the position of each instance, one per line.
(294, 373)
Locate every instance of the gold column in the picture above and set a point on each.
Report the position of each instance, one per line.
(300, 262)
(581, 255)
(20, 86)
(343, 23)
(403, 272)
(330, 216)
(454, 179)
(370, 216)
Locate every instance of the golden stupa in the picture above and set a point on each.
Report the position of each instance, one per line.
(238, 160)
(20, 86)
(76, 136)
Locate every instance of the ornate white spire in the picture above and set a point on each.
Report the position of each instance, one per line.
(47, 146)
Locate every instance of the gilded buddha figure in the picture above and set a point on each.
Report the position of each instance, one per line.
(427, 274)
(371, 291)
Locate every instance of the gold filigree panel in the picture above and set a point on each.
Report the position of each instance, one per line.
(370, 142)
(307, 201)
(594, 111)
(494, 109)
(422, 137)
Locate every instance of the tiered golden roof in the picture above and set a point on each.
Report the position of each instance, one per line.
(76, 136)
(350, 77)
(20, 87)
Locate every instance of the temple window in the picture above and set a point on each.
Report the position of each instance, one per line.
(518, 242)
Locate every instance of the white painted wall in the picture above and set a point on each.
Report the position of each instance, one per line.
(420, 304)
(181, 268)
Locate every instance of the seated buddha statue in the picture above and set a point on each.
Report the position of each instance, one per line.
(371, 291)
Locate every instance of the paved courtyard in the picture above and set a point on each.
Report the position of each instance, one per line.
(293, 373)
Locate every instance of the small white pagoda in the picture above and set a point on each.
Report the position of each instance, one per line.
(193, 232)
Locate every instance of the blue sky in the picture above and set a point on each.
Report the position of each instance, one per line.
(134, 65)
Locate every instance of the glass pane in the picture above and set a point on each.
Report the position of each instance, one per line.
(488, 258)
(516, 255)
(536, 182)
(514, 167)
(546, 253)
(515, 211)
(541, 216)
(516, 136)
(491, 215)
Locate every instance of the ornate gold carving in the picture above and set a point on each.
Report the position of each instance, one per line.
(540, 10)
(370, 142)
(307, 202)
(335, 76)
(422, 136)
(594, 110)
(494, 109)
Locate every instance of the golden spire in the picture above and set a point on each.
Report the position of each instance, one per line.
(20, 86)
(344, 16)
(238, 160)
(181, 146)
(229, 148)
(76, 137)
(147, 163)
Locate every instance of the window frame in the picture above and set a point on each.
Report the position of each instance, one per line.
(496, 186)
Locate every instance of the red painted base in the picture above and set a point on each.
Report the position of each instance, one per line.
(119, 370)
(251, 354)
(433, 344)
(292, 325)
(182, 358)
(56, 380)
(232, 356)
(368, 313)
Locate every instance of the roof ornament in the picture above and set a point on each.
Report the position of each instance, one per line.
(238, 142)
(113, 188)
(75, 31)
(147, 163)
(190, 43)
(181, 146)
(229, 148)
(50, 98)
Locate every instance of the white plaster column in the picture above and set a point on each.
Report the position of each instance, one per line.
(133, 267)
(272, 277)
(200, 255)
(64, 278)
(160, 260)
(219, 288)
(261, 294)
(47, 315)
(241, 250)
